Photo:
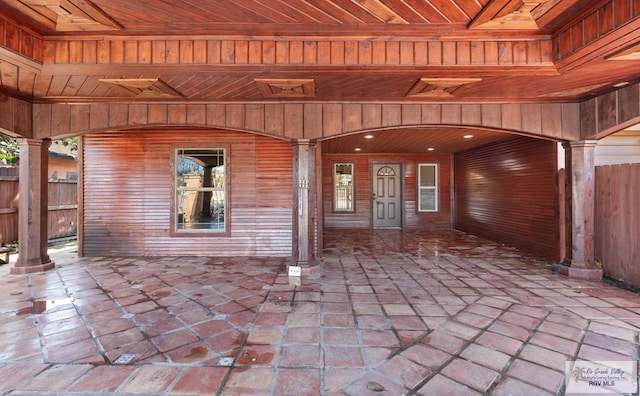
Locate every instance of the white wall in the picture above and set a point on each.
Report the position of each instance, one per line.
(620, 148)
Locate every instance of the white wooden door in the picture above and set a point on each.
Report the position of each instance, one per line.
(386, 195)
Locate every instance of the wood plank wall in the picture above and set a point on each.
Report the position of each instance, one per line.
(127, 195)
(617, 221)
(361, 217)
(508, 193)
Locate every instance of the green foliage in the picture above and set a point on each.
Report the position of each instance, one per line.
(9, 150)
(71, 142)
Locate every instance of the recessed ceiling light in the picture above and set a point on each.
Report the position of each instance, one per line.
(368, 136)
(358, 149)
(467, 136)
(621, 84)
(430, 149)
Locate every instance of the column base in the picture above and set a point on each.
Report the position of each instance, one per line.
(30, 269)
(594, 274)
(308, 268)
(585, 272)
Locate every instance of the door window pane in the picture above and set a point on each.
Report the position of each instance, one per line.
(427, 187)
(343, 187)
(200, 190)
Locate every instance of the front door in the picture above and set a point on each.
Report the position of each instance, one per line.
(386, 196)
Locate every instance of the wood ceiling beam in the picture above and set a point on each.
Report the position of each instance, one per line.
(535, 15)
(20, 61)
(265, 70)
(381, 11)
(556, 121)
(614, 42)
(491, 11)
(605, 28)
(17, 116)
(66, 15)
(293, 32)
(552, 15)
(508, 14)
(48, 20)
(20, 40)
(630, 53)
(96, 56)
(609, 113)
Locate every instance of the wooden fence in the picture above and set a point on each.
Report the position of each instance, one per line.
(63, 207)
(617, 221)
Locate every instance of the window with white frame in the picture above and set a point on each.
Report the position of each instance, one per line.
(200, 190)
(427, 187)
(343, 187)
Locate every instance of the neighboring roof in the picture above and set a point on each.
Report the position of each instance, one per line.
(59, 150)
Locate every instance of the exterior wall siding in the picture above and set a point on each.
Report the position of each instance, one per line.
(508, 192)
(128, 188)
(62, 168)
(616, 149)
(361, 216)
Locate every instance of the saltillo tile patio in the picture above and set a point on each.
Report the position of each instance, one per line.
(390, 313)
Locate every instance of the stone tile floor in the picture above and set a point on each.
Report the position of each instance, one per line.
(391, 313)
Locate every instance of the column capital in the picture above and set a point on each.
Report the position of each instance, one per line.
(583, 143)
(302, 142)
(34, 142)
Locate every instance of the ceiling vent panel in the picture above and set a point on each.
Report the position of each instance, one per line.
(66, 15)
(439, 87)
(144, 87)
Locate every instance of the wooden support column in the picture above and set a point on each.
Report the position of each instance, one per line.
(565, 205)
(33, 207)
(304, 207)
(583, 210)
(583, 205)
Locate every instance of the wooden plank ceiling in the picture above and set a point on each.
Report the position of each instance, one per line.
(422, 51)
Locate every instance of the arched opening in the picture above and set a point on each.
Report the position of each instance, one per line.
(496, 184)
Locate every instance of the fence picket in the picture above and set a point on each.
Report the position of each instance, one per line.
(63, 207)
(617, 221)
